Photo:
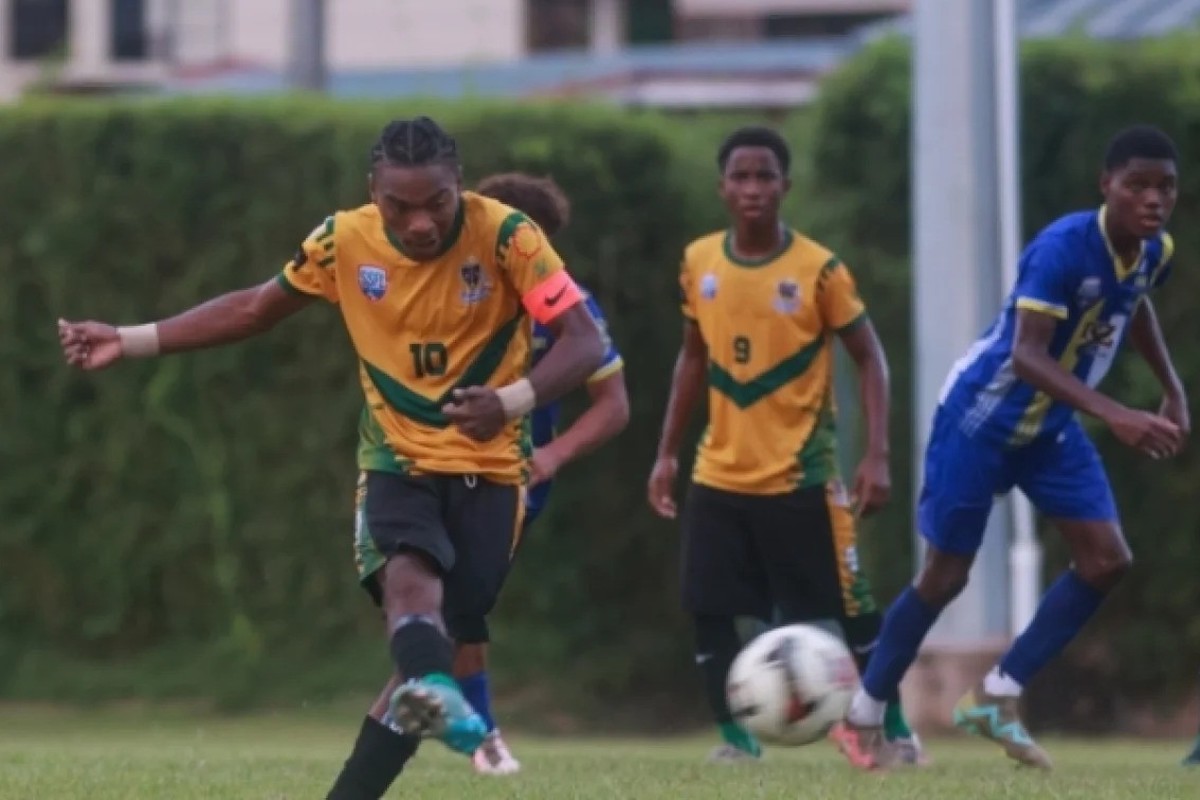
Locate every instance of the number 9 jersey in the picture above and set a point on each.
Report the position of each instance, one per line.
(769, 326)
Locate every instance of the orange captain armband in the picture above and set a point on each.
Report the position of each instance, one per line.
(551, 297)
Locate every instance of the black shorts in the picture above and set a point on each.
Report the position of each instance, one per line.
(467, 527)
(760, 555)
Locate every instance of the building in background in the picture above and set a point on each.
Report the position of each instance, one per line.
(672, 53)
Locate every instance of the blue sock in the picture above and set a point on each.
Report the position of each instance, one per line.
(904, 628)
(475, 689)
(1063, 612)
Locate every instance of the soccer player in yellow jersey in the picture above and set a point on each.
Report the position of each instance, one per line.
(436, 287)
(606, 416)
(769, 530)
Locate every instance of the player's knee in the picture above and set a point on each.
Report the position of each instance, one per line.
(942, 579)
(468, 629)
(411, 584)
(1104, 569)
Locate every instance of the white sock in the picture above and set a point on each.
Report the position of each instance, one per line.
(1000, 685)
(865, 711)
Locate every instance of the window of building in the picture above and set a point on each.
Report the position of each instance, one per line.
(784, 26)
(558, 24)
(129, 40)
(37, 28)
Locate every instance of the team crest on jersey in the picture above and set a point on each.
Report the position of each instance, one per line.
(372, 280)
(708, 286)
(476, 286)
(1089, 291)
(787, 299)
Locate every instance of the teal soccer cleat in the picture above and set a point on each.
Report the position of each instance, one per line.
(996, 718)
(433, 707)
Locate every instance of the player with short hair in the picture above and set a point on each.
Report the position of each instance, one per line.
(1007, 418)
(542, 201)
(767, 524)
(434, 284)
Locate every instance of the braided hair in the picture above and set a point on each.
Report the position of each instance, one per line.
(414, 143)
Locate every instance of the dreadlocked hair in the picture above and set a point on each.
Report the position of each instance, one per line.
(414, 143)
(540, 199)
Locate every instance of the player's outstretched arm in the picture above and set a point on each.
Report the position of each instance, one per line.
(604, 418)
(1148, 340)
(1032, 362)
(229, 318)
(687, 384)
(872, 481)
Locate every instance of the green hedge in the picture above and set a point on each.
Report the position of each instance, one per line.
(1075, 95)
(189, 517)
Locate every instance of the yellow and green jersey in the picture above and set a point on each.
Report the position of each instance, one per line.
(423, 328)
(769, 325)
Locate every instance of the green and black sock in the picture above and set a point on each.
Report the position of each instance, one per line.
(717, 645)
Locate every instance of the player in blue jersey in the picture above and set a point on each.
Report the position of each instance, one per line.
(544, 202)
(1007, 418)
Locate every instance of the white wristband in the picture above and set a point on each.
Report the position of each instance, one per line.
(139, 341)
(518, 398)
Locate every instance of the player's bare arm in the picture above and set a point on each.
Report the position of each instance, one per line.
(872, 481)
(1154, 435)
(228, 318)
(1148, 340)
(687, 384)
(605, 417)
(482, 412)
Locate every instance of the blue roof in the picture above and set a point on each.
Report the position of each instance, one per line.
(554, 71)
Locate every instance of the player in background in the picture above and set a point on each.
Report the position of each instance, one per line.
(433, 284)
(1007, 418)
(1193, 758)
(543, 202)
(767, 524)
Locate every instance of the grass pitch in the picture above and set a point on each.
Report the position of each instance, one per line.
(56, 754)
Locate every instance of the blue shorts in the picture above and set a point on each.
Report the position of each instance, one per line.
(1061, 474)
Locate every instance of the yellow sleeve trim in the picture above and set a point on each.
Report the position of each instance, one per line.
(1168, 244)
(283, 280)
(608, 369)
(1042, 307)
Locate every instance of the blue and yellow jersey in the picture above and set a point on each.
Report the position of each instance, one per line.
(544, 420)
(423, 328)
(1071, 272)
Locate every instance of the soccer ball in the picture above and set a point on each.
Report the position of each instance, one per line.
(790, 685)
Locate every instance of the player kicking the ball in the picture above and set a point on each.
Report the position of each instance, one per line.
(544, 203)
(1007, 418)
(767, 526)
(433, 284)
